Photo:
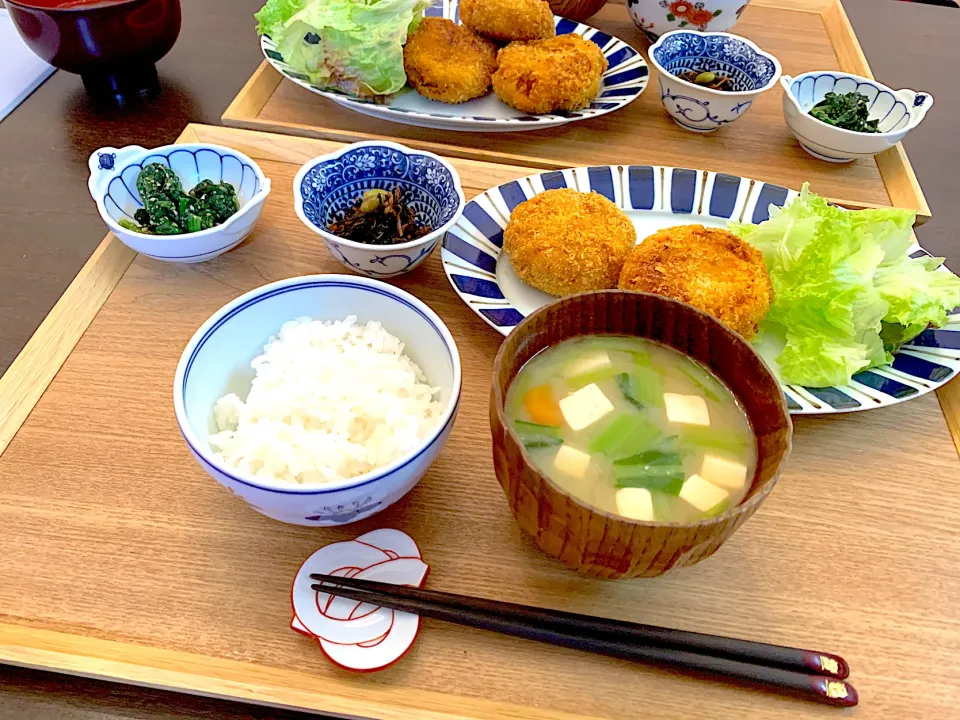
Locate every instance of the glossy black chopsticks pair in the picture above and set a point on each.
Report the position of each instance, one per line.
(808, 674)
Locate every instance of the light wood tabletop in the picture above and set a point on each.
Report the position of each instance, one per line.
(46, 143)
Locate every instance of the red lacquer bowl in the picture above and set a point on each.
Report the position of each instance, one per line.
(112, 44)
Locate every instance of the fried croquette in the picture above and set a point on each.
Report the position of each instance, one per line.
(543, 76)
(564, 242)
(448, 62)
(506, 20)
(709, 268)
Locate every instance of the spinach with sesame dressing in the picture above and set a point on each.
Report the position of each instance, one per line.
(168, 210)
(848, 111)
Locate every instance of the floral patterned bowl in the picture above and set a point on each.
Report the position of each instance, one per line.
(330, 184)
(656, 17)
(699, 108)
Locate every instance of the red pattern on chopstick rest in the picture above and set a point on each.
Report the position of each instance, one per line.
(354, 635)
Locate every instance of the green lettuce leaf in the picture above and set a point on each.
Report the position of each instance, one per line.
(846, 294)
(355, 46)
(271, 17)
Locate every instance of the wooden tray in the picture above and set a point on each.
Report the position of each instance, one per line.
(123, 560)
(803, 34)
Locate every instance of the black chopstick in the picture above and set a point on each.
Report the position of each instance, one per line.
(809, 662)
(631, 641)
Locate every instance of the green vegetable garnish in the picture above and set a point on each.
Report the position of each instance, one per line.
(354, 46)
(650, 457)
(625, 434)
(535, 435)
(693, 436)
(641, 387)
(846, 292)
(848, 111)
(652, 469)
(167, 210)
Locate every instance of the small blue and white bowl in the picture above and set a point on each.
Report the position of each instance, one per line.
(899, 111)
(700, 108)
(217, 361)
(113, 185)
(330, 184)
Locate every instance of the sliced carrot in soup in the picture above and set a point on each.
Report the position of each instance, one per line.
(542, 407)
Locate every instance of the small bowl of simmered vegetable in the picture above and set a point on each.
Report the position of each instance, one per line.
(379, 207)
(839, 117)
(180, 203)
(709, 80)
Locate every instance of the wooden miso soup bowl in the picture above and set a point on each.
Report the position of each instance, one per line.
(599, 543)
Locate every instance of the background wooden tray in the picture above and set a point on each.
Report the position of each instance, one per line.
(803, 34)
(123, 560)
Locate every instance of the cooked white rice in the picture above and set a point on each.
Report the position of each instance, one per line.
(330, 401)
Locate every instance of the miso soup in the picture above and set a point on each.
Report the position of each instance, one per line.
(633, 428)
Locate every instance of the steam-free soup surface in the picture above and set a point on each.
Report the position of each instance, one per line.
(633, 428)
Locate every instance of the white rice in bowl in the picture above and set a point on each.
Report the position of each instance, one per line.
(330, 401)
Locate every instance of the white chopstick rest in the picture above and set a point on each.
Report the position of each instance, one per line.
(359, 636)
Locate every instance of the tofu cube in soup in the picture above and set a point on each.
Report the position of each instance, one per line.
(571, 461)
(703, 495)
(686, 409)
(635, 503)
(723, 471)
(583, 408)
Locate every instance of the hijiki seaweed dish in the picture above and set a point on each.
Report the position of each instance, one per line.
(379, 217)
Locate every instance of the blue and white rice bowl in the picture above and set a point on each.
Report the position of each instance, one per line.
(217, 361)
(899, 111)
(113, 185)
(702, 109)
(331, 184)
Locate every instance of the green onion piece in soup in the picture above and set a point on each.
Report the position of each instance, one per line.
(535, 435)
(650, 457)
(713, 438)
(641, 387)
(625, 434)
(711, 393)
(665, 478)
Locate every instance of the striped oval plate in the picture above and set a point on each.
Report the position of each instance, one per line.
(656, 198)
(626, 77)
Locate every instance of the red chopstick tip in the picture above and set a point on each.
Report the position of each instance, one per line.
(832, 666)
(836, 692)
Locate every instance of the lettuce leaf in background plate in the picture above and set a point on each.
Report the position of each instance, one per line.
(846, 294)
(355, 46)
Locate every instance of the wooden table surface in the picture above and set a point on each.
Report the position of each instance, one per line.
(50, 226)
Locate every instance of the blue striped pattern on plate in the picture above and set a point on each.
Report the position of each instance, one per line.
(626, 77)
(656, 197)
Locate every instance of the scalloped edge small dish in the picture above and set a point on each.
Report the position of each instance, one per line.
(702, 109)
(112, 184)
(378, 261)
(217, 359)
(899, 111)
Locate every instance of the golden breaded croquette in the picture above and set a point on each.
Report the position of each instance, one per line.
(506, 20)
(448, 62)
(564, 242)
(709, 268)
(543, 76)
